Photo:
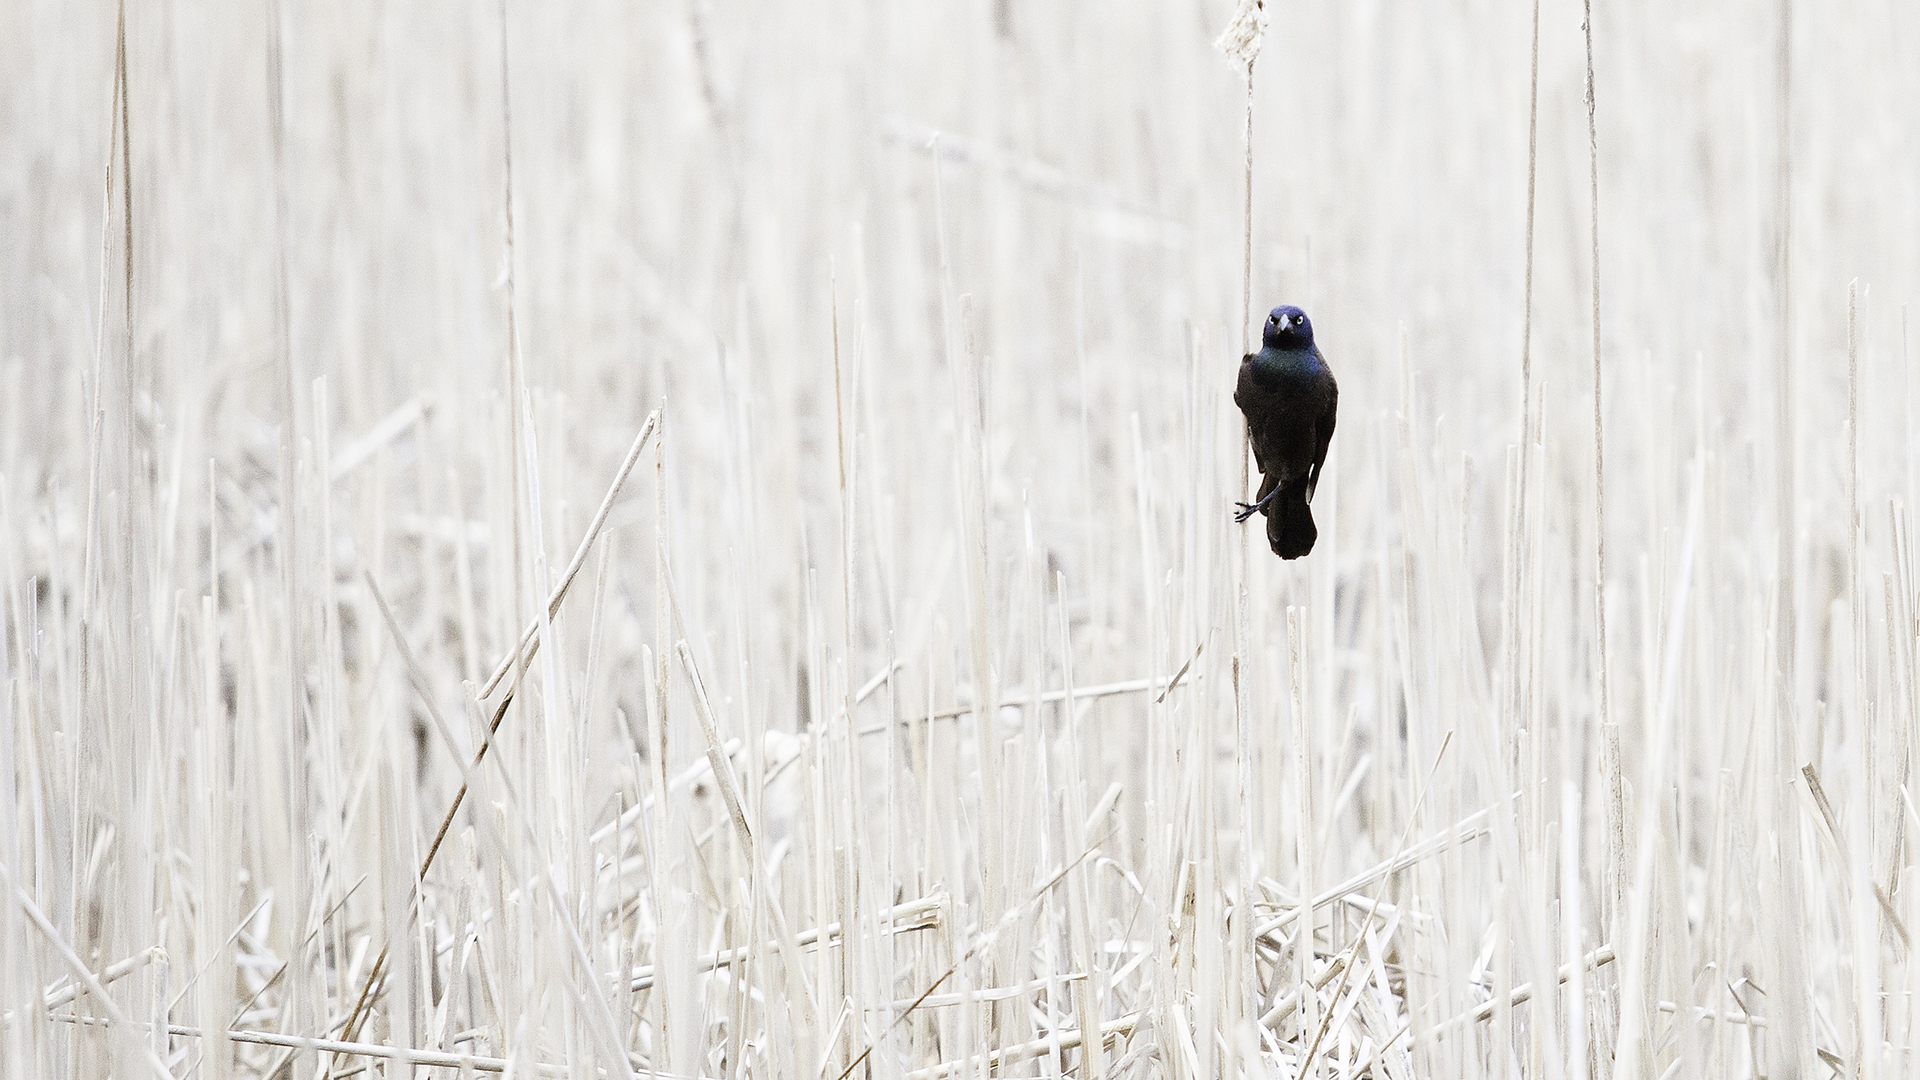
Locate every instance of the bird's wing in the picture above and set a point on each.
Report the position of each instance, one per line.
(1323, 430)
(1243, 392)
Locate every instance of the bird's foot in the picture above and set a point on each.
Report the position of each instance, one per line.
(1247, 510)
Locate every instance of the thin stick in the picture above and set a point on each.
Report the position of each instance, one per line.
(106, 194)
(1246, 305)
(1517, 581)
(1616, 790)
(126, 188)
(1524, 992)
(1855, 598)
(530, 638)
(1164, 684)
(1471, 827)
(1783, 314)
(1526, 310)
(1792, 1005)
(1246, 245)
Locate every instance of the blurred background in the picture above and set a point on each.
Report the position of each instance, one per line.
(311, 311)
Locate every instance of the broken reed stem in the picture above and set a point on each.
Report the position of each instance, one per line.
(1471, 827)
(921, 914)
(78, 966)
(716, 752)
(1165, 684)
(110, 974)
(1597, 958)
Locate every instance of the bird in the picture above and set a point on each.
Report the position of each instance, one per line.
(1289, 397)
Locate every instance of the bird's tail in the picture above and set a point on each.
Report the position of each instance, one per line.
(1290, 529)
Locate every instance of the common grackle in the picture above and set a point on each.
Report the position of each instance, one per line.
(1288, 394)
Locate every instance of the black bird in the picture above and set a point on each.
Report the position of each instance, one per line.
(1288, 394)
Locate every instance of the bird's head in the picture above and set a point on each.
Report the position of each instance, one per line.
(1287, 328)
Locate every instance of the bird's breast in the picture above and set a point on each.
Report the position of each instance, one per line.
(1285, 375)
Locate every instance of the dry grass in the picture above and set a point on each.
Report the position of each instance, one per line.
(913, 708)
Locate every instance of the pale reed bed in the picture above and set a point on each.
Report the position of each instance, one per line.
(693, 541)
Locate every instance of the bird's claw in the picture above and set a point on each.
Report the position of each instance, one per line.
(1246, 511)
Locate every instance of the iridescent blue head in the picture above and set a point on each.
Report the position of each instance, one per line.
(1287, 328)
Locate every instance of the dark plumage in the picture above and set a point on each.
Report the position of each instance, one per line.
(1288, 394)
